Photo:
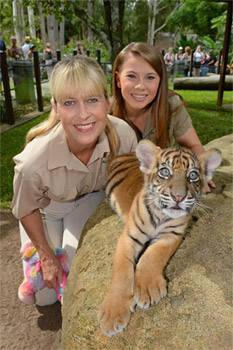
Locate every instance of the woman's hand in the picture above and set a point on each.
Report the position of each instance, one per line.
(51, 269)
(208, 186)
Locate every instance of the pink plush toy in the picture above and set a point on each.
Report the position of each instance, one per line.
(33, 280)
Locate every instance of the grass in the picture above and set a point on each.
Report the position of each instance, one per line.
(209, 123)
(12, 142)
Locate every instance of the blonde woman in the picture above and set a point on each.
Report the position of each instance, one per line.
(61, 173)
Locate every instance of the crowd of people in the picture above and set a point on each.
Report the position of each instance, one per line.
(25, 51)
(203, 61)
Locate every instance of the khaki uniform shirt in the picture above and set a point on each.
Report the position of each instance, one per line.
(179, 124)
(46, 169)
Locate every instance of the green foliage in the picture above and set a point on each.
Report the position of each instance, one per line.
(196, 16)
(185, 42)
(92, 46)
(219, 23)
(135, 13)
(6, 21)
(210, 44)
(216, 44)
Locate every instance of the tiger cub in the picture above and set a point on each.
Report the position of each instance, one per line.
(155, 203)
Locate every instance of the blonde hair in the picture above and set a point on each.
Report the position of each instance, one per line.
(159, 106)
(78, 73)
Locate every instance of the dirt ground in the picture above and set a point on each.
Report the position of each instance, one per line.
(22, 326)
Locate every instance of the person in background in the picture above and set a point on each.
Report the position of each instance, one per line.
(141, 97)
(187, 59)
(179, 54)
(211, 62)
(26, 47)
(48, 58)
(204, 64)
(169, 59)
(80, 49)
(14, 51)
(32, 48)
(2, 44)
(198, 58)
(61, 174)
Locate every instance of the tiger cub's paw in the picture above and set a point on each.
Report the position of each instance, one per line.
(149, 288)
(114, 314)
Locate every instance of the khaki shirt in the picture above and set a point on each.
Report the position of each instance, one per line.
(179, 124)
(46, 169)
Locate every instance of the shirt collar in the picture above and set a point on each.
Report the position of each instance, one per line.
(60, 155)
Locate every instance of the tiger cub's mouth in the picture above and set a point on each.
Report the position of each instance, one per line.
(175, 212)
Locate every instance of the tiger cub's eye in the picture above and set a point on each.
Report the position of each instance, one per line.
(193, 176)
(164, 172)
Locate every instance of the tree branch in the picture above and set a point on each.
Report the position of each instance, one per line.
(167, 19)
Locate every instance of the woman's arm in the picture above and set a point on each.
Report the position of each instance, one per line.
(50, 265)
(190, 140)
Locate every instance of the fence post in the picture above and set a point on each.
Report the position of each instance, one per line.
(6, 87)
(58, 55)
(98, 56)
(226, 45)
(191, 64)
(219, 61)
(38, 81)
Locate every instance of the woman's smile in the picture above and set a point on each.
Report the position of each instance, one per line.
(139, 97)
(84, 127)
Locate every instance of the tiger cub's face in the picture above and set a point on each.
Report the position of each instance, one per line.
(174, 177)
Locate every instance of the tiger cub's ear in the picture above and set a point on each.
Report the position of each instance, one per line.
(210, 160)
(147, 154)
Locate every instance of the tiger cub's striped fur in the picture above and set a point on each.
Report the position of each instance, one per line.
(125, 180)
(154, 192)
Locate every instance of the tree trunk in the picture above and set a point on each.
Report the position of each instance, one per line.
(90, 11)
(18, 20)
(31, 21)
(52, 30)
(114, 14)
(153, 5)
(62, 34)
(42, 23)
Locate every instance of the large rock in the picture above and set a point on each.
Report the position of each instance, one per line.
(203, 83)
(197, 312)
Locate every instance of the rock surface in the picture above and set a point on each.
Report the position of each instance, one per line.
(197, 311)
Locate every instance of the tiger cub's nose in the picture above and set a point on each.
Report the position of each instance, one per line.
(178, 197)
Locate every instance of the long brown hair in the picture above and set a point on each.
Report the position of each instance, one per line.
(159, 106)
